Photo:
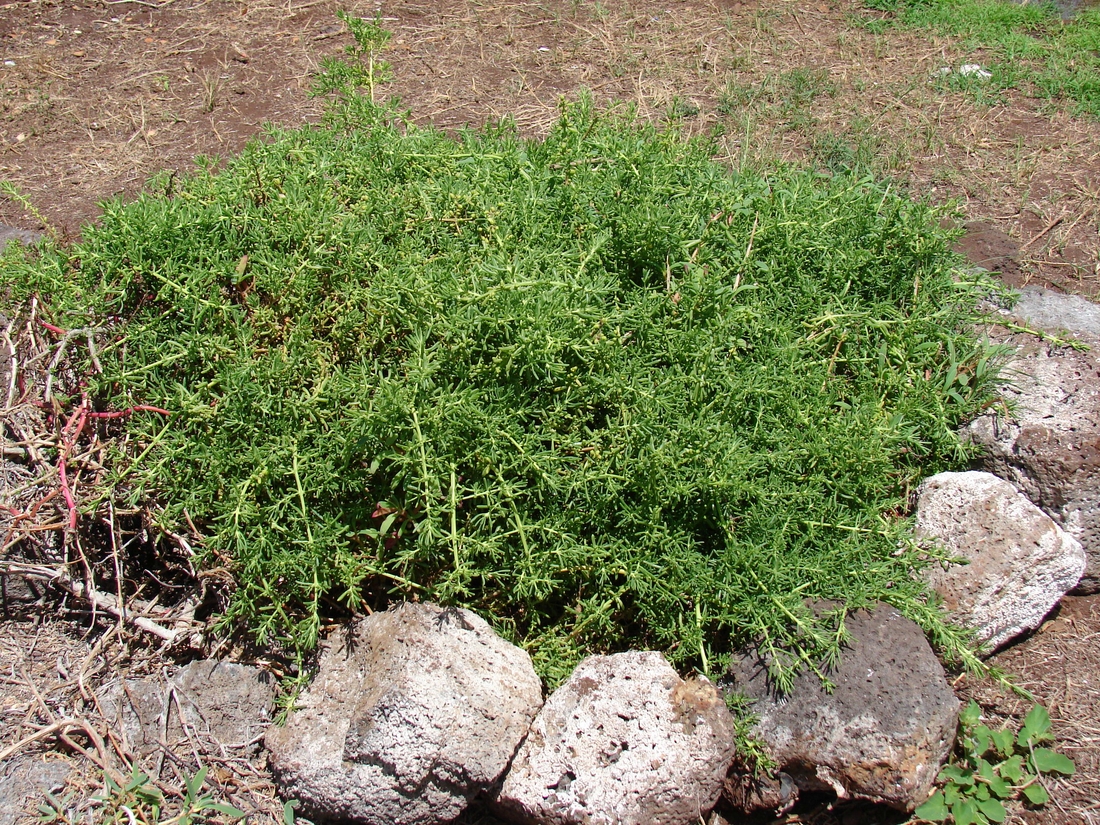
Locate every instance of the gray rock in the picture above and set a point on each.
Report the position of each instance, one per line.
(1053, 312)
(17, 591)
(206, 706)
(883, 732)
(1021, 562)
(24, 783)
(624, 740)
(1048, 444)
(10, 233)
(413, 713)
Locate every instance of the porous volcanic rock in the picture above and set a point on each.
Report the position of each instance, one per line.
(1021, 562)
(883, 732)
(207, 705)
(1047, 443)
(623, 740)
(413, 713)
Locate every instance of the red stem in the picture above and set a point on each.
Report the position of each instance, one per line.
(69, 502)
(75, 424)
(128, 411)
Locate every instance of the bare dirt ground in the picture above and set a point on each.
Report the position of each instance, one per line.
(96, 96)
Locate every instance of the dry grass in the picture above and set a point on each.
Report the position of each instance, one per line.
(142, 89)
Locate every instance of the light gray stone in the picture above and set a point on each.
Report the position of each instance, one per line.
(883, 732)
(24, 782)
(24, 236)
(206, 706)
(413, 713)
(1046, 439)
(1020, 562)
(1053, 312)
(623, 740)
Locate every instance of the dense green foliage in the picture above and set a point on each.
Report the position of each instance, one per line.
(1024, 45)
(597, 386)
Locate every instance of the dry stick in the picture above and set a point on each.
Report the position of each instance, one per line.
(85, 667)
(17, 517)
(41, 733)
(75, 424)
(1046, 229)
(118, 564)
(14, 365)
(60, 727)
(188, 728)
(99, 599)
(162, 724)
(32, 450)
(1085, 214)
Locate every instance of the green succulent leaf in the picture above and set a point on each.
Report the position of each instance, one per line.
(227, 809)
(970, 715)
(1004, 742)
(993, 810)
(999, 788)
(965, 812)
(952, 793)
(1036, 727)
(1012, 768)
(983, 740)
(964, 777)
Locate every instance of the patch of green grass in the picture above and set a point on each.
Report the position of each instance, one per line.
(1026, 46)
(784, 96)
(857, 150)
(137, 800)
(597, 387)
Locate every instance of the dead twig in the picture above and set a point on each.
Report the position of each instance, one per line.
(98, 599)
(1046, 229)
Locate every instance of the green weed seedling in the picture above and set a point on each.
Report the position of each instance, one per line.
(993, 767)
(138, 800)
(751, 749)
(365, 70)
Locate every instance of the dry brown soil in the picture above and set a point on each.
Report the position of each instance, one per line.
(98, 95)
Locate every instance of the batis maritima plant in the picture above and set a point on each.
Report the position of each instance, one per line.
(599, 387)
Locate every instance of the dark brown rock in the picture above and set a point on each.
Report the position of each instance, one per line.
(883, 732)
